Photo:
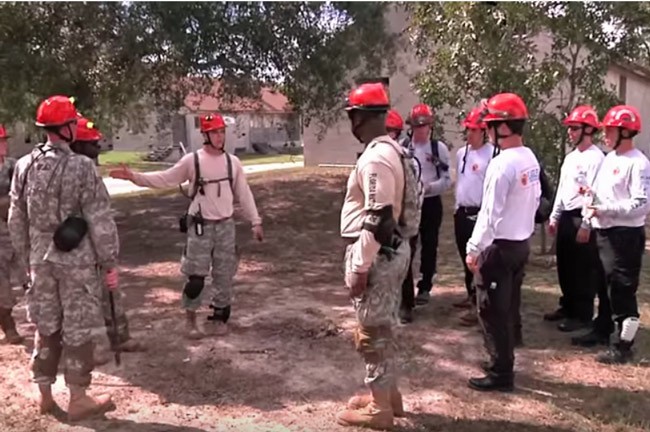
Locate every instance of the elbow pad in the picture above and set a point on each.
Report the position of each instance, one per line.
(381, 224)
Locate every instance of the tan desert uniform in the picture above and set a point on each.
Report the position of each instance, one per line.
(377, 181)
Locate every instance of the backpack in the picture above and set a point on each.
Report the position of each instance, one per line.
(199, 181)
(409, 218)
(435, 153)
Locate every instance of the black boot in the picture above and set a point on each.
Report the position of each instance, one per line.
(406, 315)
(422, 298)
(590, 339)
(492, 382)
(555, 316)
(571, 325)
(619, 353)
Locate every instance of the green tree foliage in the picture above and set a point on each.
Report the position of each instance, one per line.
(473, 50)
(116, 57)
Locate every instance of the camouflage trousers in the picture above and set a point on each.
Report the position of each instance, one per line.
(9, 266)
(213, 253)
(376, 311)
(64, 303)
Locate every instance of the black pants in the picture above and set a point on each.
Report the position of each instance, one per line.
(499, 297)
(621, 252)
(429, 229)
(408, 294)
(464, 221)
(578, 268)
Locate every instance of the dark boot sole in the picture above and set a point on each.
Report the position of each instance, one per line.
(501, 389)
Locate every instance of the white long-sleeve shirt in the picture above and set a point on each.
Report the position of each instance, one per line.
(578, 171)
(621, 189)
(434, 185)
(469, 182)
(510, 199)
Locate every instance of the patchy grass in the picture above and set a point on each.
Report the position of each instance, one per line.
(116, 157)
(259, 159)
(288, 363)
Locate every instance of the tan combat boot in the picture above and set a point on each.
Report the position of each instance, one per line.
(378, 414)
(192, 328)
(46, 402)
(361, 401)
(9, 327)
(82, 406)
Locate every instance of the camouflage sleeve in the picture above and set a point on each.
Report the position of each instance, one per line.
(17, 221)
(96, 207)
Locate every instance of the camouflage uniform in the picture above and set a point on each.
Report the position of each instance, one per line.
(377, 308)
(49, 185)
(215, 250)
(9, 261)
(6, 250)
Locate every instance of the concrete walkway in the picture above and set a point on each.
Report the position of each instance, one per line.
(120, 187)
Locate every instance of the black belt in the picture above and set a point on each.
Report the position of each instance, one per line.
(573, 213)
(505, 242)
(469, 211)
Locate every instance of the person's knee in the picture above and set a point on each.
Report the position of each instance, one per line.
(194, 286)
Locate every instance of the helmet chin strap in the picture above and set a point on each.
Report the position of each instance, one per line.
(209, 142)
(69, 139)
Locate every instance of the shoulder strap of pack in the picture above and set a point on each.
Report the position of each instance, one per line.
(197, 175)
(435, 154)
(230, 176)
(31, 163)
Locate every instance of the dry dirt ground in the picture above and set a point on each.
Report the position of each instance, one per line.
(288, 363)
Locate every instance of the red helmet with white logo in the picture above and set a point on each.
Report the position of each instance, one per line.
(394, 121)
(212, 122)
(474, 119)
(368, 97)
(3, 132)
(56, 111)
(623, 116)
(86, 130)
(420, 115)
(584, 115)
(504, 107)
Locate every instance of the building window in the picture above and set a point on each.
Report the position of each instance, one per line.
(622, 88)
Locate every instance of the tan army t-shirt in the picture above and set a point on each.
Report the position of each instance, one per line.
(376, 181)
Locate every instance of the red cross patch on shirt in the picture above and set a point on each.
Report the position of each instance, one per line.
(524, 179)
(475, 167)
(616, 171)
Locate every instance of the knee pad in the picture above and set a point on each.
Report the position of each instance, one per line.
(220, 314)
(629, 327)
(194, 286)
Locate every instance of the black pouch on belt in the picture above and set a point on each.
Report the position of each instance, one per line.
(70, 233)
(182, 223)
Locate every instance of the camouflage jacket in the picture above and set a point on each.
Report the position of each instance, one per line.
(49, 185)
(6, 171)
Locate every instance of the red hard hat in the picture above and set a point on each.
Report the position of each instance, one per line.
(56, 111)
(623, 116)
(421, 114)
(474, 119)
(212, 122)
(394, 120)
(504, 107)
(86, 130)
(3, 132)
(368, 97)
(583, 114)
